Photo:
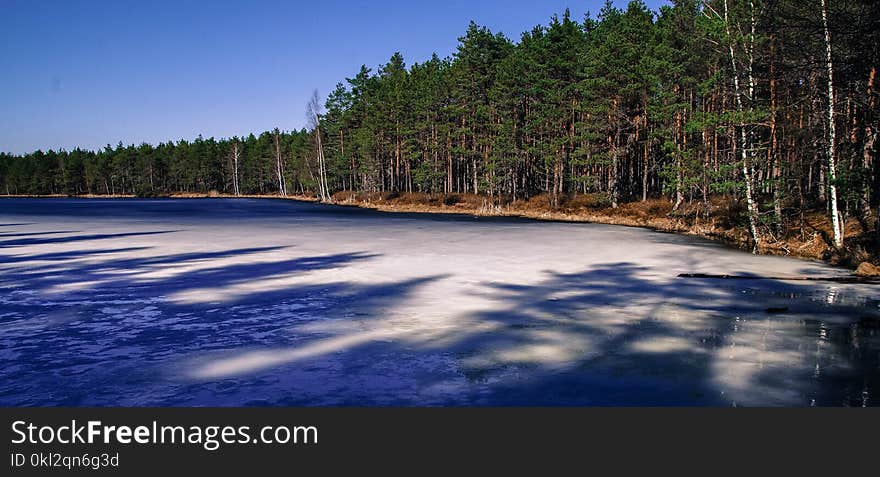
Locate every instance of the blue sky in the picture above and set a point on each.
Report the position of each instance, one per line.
(89, 73)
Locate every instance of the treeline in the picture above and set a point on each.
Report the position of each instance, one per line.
(244, 165)
(772, 103)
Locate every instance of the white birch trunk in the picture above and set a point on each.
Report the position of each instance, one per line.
(279, 168)
(322, 168)
(832, 134)
(236, 154)
(744, 153)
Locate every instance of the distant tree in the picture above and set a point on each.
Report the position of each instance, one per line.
(279, 162)
(235, 158)
(313, 112)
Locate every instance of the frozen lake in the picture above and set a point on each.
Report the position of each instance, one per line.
(266, 302)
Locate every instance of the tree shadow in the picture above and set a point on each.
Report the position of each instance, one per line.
(694, 252)
(33, 234)
(606, 336)
(109, 272)
(252, 326)
(64, 256)
(112, 340)
(76, 238)
(683, 342)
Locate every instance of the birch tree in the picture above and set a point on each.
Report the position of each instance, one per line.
(279, 162)
(744, 143)
(313, 111)
(831, 132)
(235, 156)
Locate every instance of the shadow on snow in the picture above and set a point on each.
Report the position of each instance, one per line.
(608, 335)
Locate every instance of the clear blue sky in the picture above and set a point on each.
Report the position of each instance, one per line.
(89, 73)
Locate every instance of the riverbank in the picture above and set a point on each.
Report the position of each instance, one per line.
(213, 302)
(807, 236)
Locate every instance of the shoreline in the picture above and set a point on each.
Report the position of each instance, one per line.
(659, 223)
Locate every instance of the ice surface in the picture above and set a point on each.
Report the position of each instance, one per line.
(265, 302)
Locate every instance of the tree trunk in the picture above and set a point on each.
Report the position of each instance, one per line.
(236, 154)
(615, 160)
(868, 148)
(645, 157)
(679, 194)
(832, 134)
(774, 143)
(746, 169)
(322, 167)
(279, 169)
